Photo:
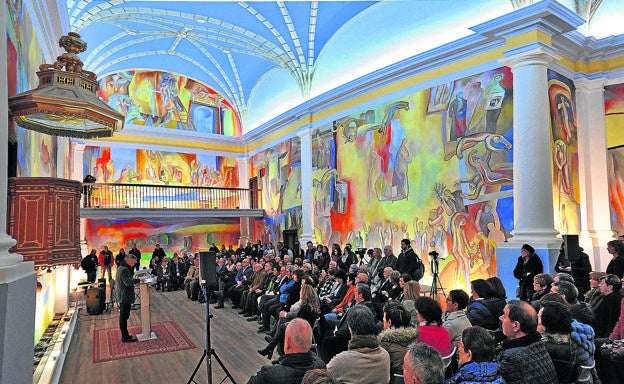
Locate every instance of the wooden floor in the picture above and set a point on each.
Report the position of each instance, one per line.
(232, 337)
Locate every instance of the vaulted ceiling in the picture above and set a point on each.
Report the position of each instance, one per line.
(265, 57)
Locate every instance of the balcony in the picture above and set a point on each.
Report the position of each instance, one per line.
(142, 201)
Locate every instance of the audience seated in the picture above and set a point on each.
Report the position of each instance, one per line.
(484, 310)
(541, 285)
(364, 352)
(398, 333)
(594, 295)
(259, 274)
(177, 273)
(476, 358)
(430, 324)
(423, 365)
(580, 310)
(309, 310)
(455, 319)
(411, 293)
(297, 358)
(191, 282)
(523, 357)
(318, 376)
(607, 311)
(555, 325)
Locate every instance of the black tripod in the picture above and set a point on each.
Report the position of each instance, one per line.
(208, 351)
(435, 283)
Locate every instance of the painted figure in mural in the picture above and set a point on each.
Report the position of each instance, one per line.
(457, 116)
(492, 142)
(566, 115)
(494, 94)
(127, 174)
(560, 157)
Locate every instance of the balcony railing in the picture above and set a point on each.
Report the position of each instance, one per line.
(137, 196)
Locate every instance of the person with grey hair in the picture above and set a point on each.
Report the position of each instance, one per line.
(562, 276)
(124, 295)
(364, 351)
(523, 357)
(422, 364)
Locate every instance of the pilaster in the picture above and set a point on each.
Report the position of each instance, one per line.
(306, 186)
(593, 173)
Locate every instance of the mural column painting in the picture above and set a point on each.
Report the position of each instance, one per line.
(595, 230)
(17, 278)
(533, 201)
(307, 208)
(243, 182)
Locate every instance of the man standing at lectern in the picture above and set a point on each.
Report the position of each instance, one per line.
(124, 290)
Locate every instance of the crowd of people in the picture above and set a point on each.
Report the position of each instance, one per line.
(325, 313)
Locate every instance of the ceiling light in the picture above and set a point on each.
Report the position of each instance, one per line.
(65, 102)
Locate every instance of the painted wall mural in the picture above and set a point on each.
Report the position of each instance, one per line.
(614, 110)
(434, 166)
(278, 170)
(192, 235)
(144, 166)
(566, 187)
(167, 100)
(36, 152)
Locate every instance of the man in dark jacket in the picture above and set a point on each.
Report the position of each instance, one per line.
(406, 262)
(137, 253)
(124, 289)
(523, 358)
(297, 358)
(90, 264)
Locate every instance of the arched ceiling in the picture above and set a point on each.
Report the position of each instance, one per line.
(251, 52)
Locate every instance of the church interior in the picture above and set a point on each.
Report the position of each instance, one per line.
(470, 128)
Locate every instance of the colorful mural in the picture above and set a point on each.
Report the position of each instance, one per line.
(616, 188)
(434, 166)
(566, 187)
(614, 111)
(279, 176)
(36, 152)
(192, 235)
(144, 166)
(167, 100)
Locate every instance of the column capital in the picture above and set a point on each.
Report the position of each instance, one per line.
(305, 133)
(584, 84)
(532, 54)
(242, 161)
(78, 147)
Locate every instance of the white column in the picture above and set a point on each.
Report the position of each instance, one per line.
(77, 159)
(61, 288)
(246, 230)
(306, 187)
(593, 174)
(242, 164)
(18, 281)
(532, 163)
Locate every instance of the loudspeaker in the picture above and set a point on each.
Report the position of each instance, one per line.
(96, 300)
(207, 268)
(571, 247)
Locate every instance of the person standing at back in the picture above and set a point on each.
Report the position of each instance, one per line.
(124, 290)
(406, 262)
(528, 266)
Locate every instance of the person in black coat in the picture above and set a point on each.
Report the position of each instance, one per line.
(135, 251)
(406, 262)
(616, 265)
(297, 358)
(578, 267)
(90, 264)
(529, 265)
(606, 314)
(124, 293)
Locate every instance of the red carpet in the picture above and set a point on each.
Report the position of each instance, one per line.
(107, 343)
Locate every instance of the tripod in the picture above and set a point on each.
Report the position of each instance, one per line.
(208, 351)
(435, 283)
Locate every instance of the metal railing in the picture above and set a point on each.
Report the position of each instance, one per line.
(137, 196)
